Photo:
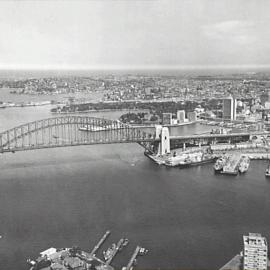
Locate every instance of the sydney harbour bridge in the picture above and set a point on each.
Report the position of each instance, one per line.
(83, 130)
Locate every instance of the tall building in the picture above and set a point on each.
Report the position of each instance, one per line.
(229, 108)
(255, 252)
(181, 115)
(167, 118)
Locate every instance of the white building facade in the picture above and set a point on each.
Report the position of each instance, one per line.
(229, 108)
(255, 252)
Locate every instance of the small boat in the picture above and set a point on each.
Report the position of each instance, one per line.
(109, 252)
(244, 164)
(143, 251)
(125, 243)
(267, 172)
(218, 167)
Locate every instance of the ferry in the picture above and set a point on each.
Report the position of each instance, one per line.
(93, 128)
(104, 127)
(267, 172)
(244, 164)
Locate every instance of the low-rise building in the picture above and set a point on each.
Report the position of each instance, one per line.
(167, 118)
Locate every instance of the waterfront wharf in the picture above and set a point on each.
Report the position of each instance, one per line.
(67, 258)
(99, 244)
(117, 248)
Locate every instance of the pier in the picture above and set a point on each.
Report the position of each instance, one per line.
(75, 257)
(132, 259)
(99, 244)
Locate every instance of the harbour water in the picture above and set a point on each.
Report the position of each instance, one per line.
(187, 218)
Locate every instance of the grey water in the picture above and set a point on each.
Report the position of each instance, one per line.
(187, 218)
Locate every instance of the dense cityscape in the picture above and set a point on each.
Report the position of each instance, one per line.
(160, 103)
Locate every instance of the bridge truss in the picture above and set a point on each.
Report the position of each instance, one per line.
(71, 131)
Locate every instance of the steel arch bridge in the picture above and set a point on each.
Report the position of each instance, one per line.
(71, 131)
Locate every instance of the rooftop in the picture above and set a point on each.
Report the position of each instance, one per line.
(254, 239)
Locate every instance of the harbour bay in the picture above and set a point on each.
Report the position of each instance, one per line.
(70, 196)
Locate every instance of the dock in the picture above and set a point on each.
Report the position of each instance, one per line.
(74, 257)
(99, 244)
(117, 248)
(132, 259)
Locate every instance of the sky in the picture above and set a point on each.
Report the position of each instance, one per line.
(105, 34)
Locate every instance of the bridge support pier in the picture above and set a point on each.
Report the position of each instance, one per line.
(164, 135)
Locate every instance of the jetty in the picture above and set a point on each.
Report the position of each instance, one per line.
(133, 259)
(99, 244)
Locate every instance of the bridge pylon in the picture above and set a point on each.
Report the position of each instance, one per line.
(164, 144)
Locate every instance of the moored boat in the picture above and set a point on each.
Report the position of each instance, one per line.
(244, 164)
(197, 159)
(267, 172)
(109, 252)
(220, 163)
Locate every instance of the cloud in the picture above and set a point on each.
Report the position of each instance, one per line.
(232, 32)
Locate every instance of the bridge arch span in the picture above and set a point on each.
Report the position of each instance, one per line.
(70, 131)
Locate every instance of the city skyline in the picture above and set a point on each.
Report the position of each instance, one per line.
(135, 34)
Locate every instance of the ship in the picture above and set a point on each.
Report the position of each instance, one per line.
(231, 166)
(220, 163)
(244, 164)
(186, 159)
(175, 160)
(267, 172)
(196, 159)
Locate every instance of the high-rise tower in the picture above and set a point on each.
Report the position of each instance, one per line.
(229, 108)
(255, 252)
